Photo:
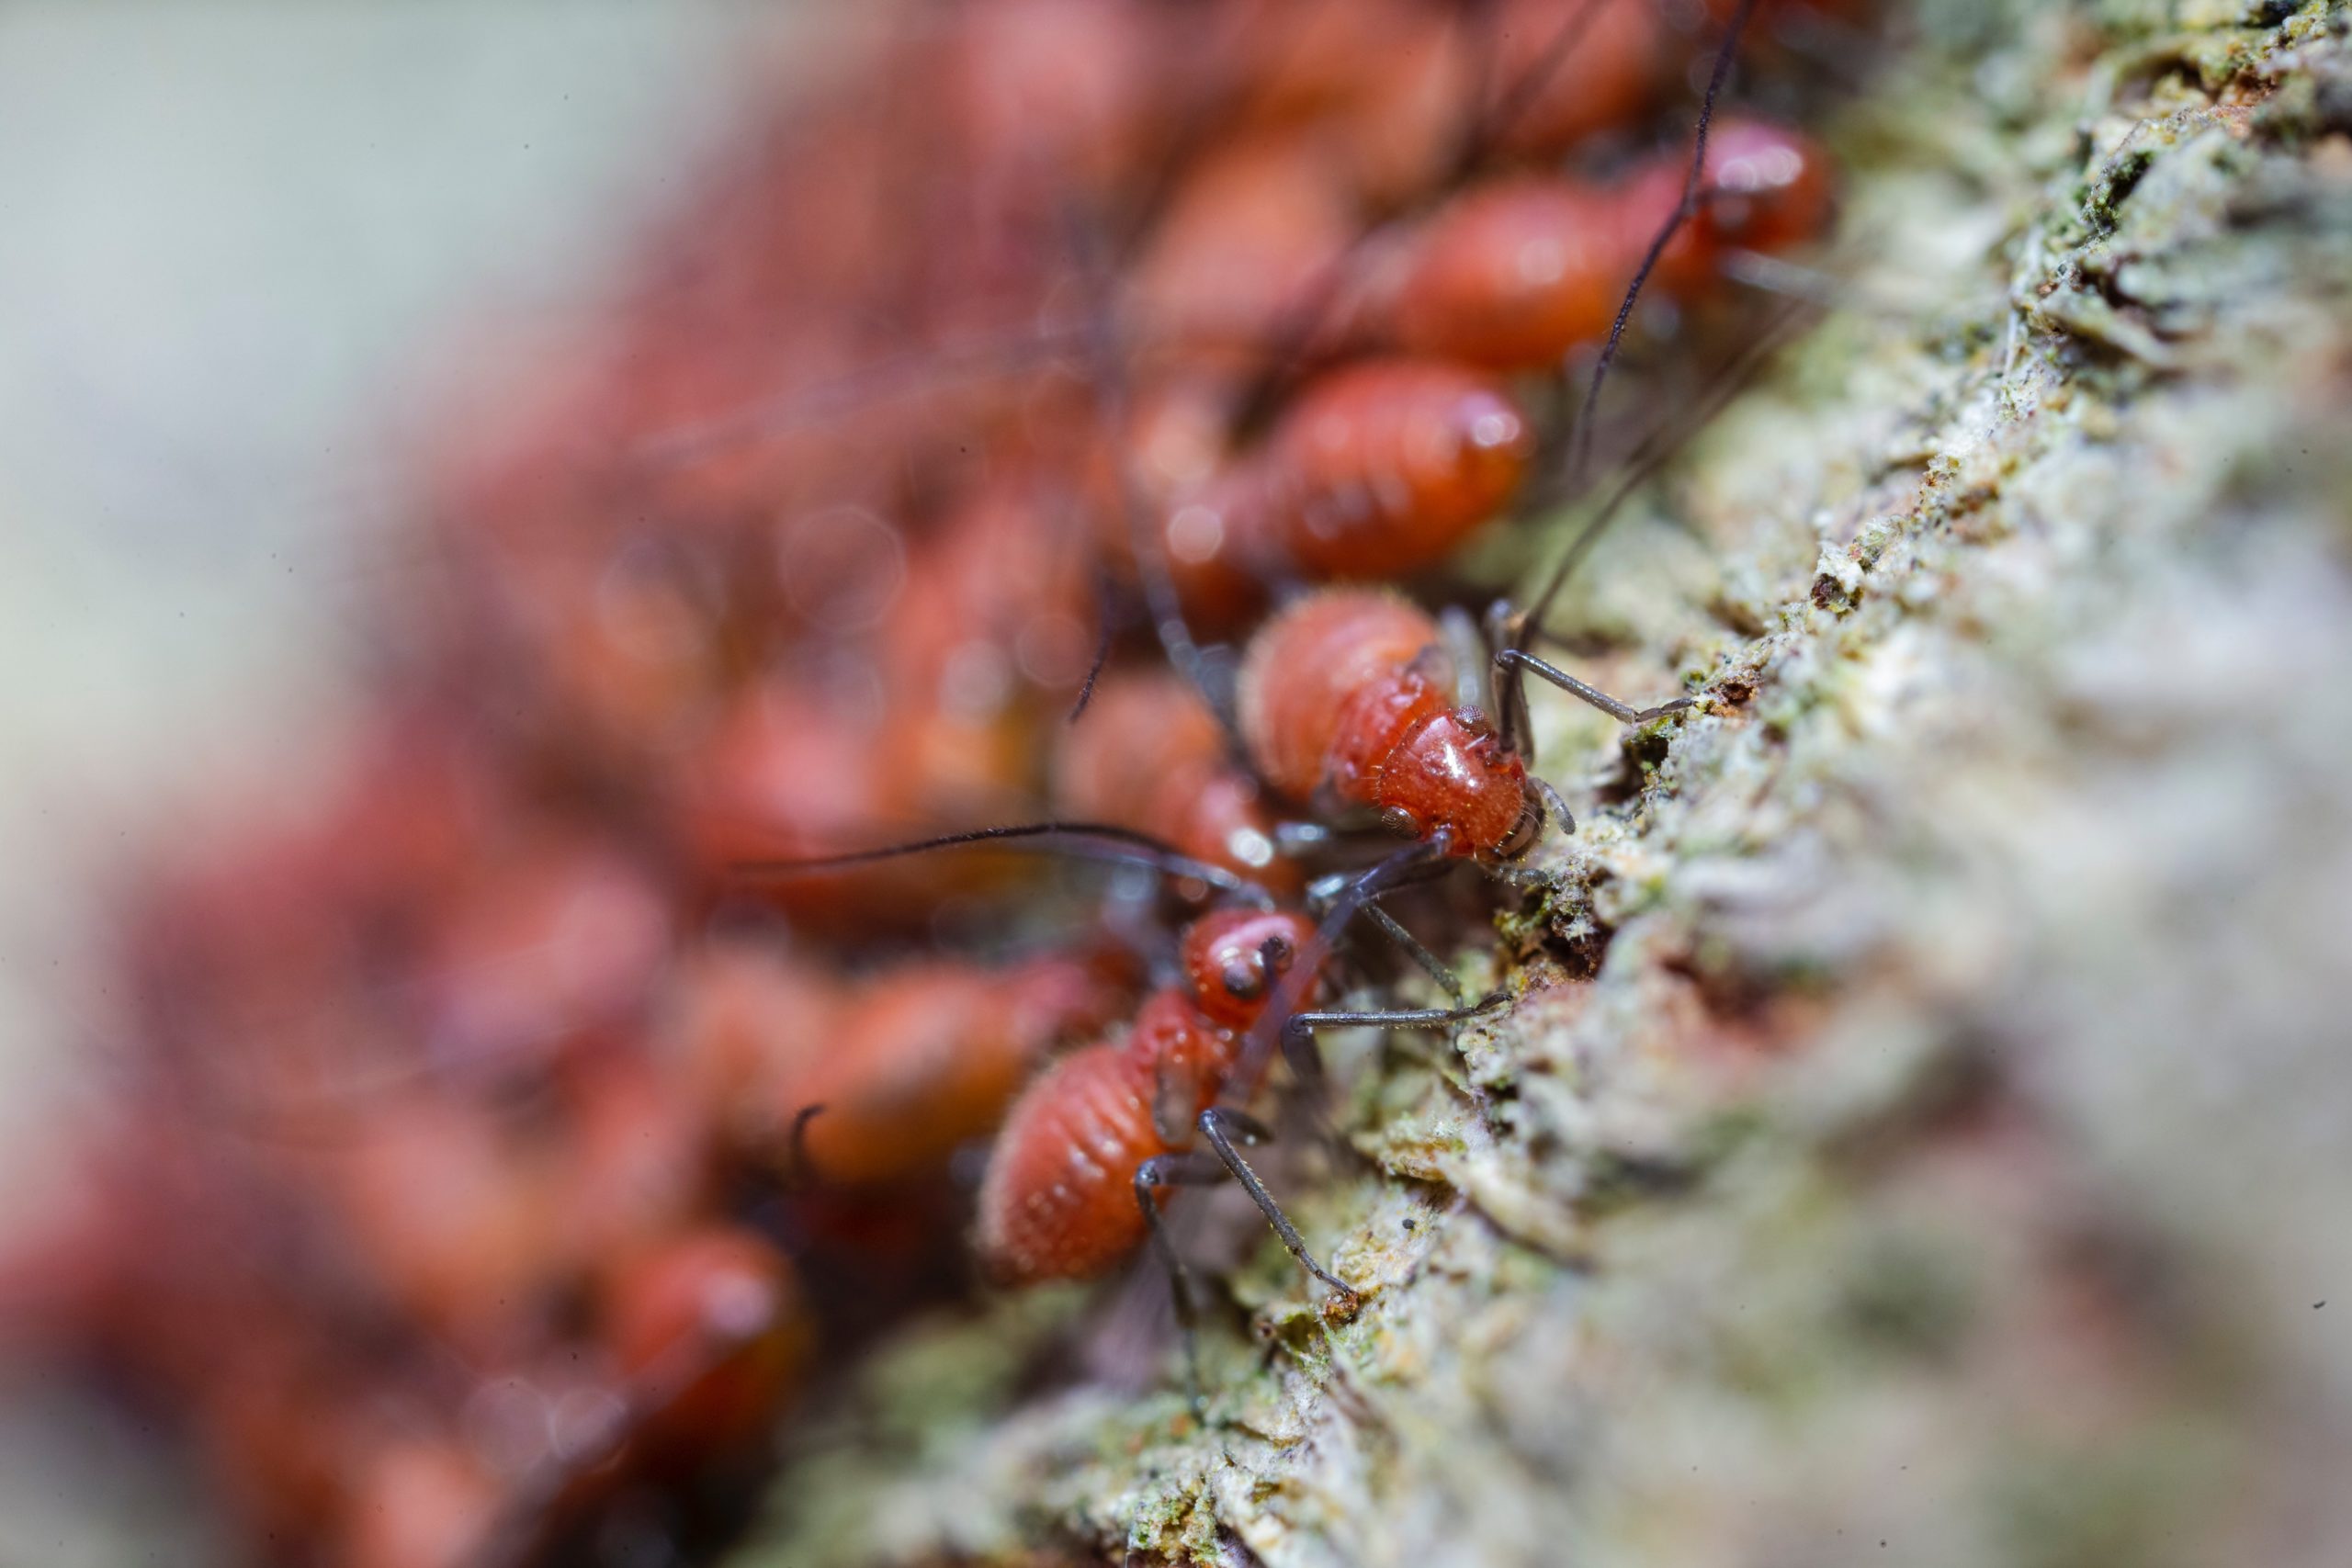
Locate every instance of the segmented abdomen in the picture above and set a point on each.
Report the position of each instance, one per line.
(1335, 668)
(1057, 1202)
(1380, 469)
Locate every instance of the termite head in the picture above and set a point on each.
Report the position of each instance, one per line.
(1455, 773)
(1235, 958)
(1768, 188)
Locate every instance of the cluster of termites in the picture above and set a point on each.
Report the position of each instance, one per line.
(1020, 442)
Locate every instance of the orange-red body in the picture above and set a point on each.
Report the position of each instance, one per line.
(1348, 699)
(1376, 470)
(909, 1062)
(1147, 754)
(709, 1333)
(1058, 1201)
(927, 1059)
(1514, 274)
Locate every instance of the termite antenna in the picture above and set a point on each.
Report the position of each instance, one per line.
(799, 1170)
(1105, 604)
(1497, 119)
(1650, 457)
(1080, 840)
(1104, 344)
(886, 380)
(1580, 441)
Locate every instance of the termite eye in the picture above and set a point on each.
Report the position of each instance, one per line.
(1401, 823)
(1243, 982)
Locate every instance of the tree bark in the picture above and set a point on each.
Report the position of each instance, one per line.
(1923, 1129)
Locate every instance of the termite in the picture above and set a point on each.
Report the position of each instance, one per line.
(909, 1062)
(1514, 274)
(1376, 470)
(1072, 1184)
(700, 1340)
(1350, 699)
(1150, 755)
(1076, 1179)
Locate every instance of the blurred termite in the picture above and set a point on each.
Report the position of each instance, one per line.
(909, 1062)
(1377, 469)
(332, 1423)
(1514, 274)
(1150, 755)
(700, 1341)
(920, 692)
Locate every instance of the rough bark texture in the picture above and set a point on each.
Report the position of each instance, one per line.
(1946, 1162)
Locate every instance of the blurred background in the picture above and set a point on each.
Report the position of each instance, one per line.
(238, 242)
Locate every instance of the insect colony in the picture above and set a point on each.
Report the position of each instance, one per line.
(504, 1137)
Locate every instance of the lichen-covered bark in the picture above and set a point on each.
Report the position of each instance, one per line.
(1948, 1162)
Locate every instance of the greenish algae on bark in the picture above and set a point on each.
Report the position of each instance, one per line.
(1946, 1161)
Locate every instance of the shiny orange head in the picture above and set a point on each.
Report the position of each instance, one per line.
(1235, 958)
(1455, 772)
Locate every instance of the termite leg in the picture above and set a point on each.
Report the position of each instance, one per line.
(1223, 1127)
(1513, 665)
(1178, 1170)
(1413, 949)
(1326, 890)
(1506, 628)
(1299, 1029)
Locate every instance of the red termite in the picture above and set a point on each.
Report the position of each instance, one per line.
(909, 1062)
(1350, 699)
(1150, 755)
(707, 1330)
(1076, 1178)
(1380, 469)
(701, 1339)
(1514, 274)
(1070, 1186)
(1376, 470)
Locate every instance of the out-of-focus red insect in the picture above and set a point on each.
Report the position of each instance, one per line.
(908, 1062)
(707, 1330)
(1514, 274)
(1376, 470)
(1147, 754)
